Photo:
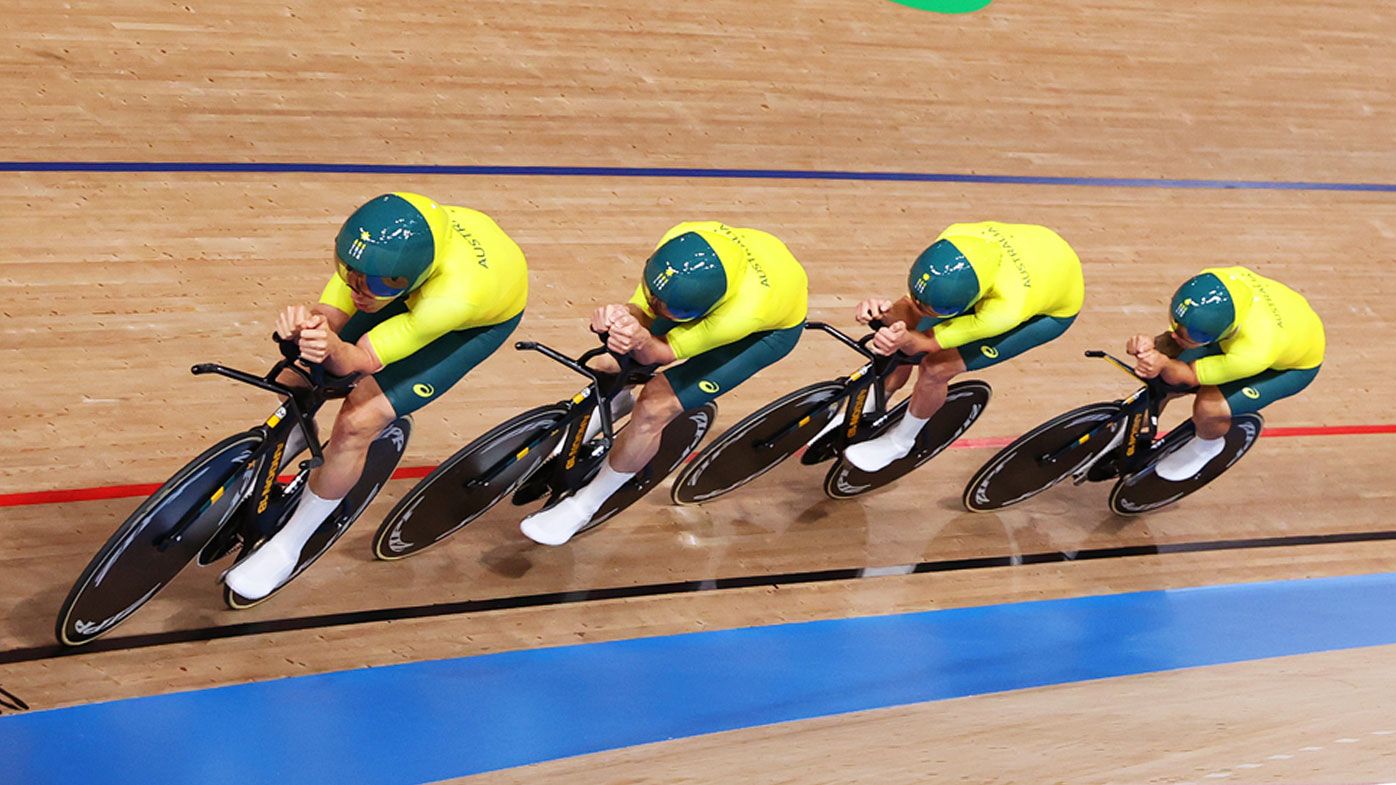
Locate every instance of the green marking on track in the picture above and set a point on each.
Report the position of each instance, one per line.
(945, 6)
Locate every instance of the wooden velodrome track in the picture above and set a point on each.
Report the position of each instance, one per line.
(116, 281)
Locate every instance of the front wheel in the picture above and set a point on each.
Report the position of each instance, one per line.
(457, 492)
(1043, 457)
(964, 402)
(384, 454)
(141, 558)
(758, 443)
(1145, 491)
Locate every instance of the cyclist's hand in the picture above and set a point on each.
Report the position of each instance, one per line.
(1149, 363)
(291, 321)
(1139, 344)
(890, 339)
(605, 316)
(626, 333)
(315, 339)
(870, 309)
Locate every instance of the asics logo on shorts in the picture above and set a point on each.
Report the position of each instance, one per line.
(989, 351)
(424, 390)
(708, 387)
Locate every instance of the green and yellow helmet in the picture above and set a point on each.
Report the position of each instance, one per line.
(391, 240)
(686, 276)
(945, 280)
(1205, 309)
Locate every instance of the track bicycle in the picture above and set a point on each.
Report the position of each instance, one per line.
(806, 419)
(1105, 441)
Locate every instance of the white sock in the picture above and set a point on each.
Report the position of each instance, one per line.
(1185, 462)
(904, 433)
(310, 512)
(595, 493)
(875, 454)
(557, 524)
(271, 564)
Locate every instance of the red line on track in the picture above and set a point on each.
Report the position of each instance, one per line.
(64, 495)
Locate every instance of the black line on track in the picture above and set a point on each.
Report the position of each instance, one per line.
(129, 642)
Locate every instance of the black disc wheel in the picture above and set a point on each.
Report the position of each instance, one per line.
(1145, 491)
(384, 455)
(758, 443)
(964, 402)
(1043, 457)
(457, 492)
(154, 544)
(681, 437)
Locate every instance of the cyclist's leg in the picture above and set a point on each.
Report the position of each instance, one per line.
(679, 389)
(353, 330)
(938, 370)
(899, 377)
(395, 391)
(891, 383)
(933, 380)
(1211, 416)
(1213, 408)
(688, 386)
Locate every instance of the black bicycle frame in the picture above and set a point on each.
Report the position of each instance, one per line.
(601, 388)
(856, 385)
(299, 403)
(1140, 409)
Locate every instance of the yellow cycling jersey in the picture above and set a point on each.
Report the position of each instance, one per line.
(767, 289)
(1038, 274)
(1275, 329)
(478, 278)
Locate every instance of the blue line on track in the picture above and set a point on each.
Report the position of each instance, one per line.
(678, 172)
(427, 721)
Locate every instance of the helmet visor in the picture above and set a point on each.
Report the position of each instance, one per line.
(376, 286)
(1194, 335)
(667, 311)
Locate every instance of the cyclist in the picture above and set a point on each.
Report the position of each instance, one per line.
(422, 293)
(728, 302)
(981, 293)
(1242, 341)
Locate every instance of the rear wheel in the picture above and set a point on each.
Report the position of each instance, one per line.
(680, 439)
(1145, 491)
(453, 495)
(741, 453)
(964, 402)
(140, 559)
(1022, 470)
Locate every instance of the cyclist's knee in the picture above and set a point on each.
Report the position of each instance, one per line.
(939, 368)
(656, 408)
(363, 420)
(1211, 414)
